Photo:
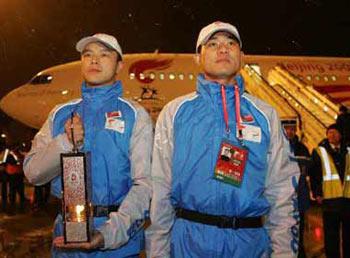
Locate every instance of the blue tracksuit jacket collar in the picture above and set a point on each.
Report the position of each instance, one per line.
(101, 94)
(210, 89)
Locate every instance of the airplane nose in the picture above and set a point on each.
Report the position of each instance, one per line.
(6, 103)
(18, 106)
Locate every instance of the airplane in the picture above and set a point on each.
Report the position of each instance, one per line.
(154, 79)
(307, 88)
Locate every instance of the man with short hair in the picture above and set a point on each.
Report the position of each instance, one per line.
(118, 134)
(302, 156)
(203, 206)
(330, 184)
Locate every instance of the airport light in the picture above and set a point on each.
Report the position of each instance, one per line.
(3, 135)
(64, 92)
(325, 108)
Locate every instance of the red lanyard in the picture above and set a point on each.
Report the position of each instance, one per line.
(223, 96)
(238, 110)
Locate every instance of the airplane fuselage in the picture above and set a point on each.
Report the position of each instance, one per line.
(155, 79)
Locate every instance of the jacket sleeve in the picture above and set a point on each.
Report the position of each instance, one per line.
(42, 163)
(135, 207)
(162, 212)
(281, 185)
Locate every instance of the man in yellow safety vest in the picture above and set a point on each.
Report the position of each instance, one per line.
(330, 183)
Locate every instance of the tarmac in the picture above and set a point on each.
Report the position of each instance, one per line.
(29, 234)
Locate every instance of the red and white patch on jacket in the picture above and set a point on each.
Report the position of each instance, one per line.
(114, 121)
(247, 119)
(114, 114)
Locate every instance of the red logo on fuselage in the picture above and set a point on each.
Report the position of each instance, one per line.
(139, 67)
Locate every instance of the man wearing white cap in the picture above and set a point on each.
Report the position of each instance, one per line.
(206, 206)
(118, 134)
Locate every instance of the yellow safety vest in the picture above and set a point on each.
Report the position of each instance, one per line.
(332, 186)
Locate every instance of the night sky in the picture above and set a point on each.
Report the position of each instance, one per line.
(36, 34)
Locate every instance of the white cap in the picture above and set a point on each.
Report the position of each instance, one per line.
(214, 27)
(106, 39)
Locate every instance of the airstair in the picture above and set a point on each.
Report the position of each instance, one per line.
(292, 98)
(257, 86)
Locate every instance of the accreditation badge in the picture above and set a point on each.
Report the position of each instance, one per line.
(230, 164)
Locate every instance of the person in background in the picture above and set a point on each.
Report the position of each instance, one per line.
(3, 176)
(203, 206)
(330, 184)
(118, 134)
(14, 169)
(41, 196)
(343, 121)
(302, 156)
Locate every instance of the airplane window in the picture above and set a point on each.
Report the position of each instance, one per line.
(171, 76)
(41, 79)
(190, 76)
(317, 77)
(132, 76)
(152, 76)
(161, 76)
(334, 78)
(142, 76)
(325, 78)
(181, 76)
(349, 78)
(308, 77)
